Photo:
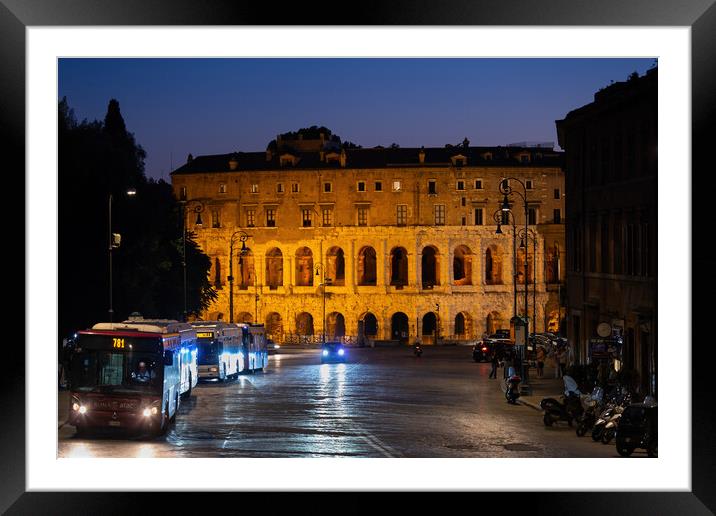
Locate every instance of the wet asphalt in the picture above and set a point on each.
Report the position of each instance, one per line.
(383, 402)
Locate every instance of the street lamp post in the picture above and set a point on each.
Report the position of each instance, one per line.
(499, 217)
(321, 273)
(242, 237)
(114, 240)
(197, 209)
(525, 237)
(507, 190)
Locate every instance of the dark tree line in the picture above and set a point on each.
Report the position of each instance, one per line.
(97, 159)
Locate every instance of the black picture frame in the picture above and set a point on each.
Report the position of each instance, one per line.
(699, 15)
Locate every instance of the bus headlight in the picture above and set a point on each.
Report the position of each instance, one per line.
(82, 409)
(325, 352)
(147, 412)
(341, 352)
(213, 369)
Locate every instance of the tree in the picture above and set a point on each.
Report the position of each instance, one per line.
(97, 159)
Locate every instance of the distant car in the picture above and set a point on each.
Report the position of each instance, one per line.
(272, 347)
(333, 352)
(501, 334)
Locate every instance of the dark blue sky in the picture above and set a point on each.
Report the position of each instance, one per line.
(209, 106)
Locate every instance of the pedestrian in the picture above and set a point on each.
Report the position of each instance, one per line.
(555, 360)
(509, 363)
(540, 361)
(494, 361)
(563, 361)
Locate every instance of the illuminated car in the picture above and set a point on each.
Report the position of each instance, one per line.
(272, 347)
(333, 352)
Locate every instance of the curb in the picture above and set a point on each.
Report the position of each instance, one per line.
(521, 401)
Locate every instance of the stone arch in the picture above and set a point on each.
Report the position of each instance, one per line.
(431, 328)
(430, 267)
(520, 266)
(244, 317)
(274, 326)
(493, 265)
(552, 264)
(463, 326)
(335, 325)
(336, 266)
(304, 324)
(495, 322)
(367, 266)
(398, 266)
(247, 273)
(369, 325)
(462, 265)
(274, 268)
(399, 327)
(304, 267)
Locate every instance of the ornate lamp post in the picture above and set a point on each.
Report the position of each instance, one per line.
(235, 237)
(503, 217)
(114, 240)
(525, 237)
(320, 271)
(507, 191)
(198, 208)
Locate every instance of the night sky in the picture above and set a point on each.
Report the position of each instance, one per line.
(213, 106)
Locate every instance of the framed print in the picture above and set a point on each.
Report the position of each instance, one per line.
(40, 40)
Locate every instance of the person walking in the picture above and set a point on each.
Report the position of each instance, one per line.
(563, 361)
(540, 361)
(509, 363)
(555, 359)
(494, 361)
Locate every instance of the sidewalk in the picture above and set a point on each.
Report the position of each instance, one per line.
(63, 407)
(546, 387)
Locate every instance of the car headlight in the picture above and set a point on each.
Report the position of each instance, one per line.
(325, 352)
(82, 409)
(75, 407)
(147, 412)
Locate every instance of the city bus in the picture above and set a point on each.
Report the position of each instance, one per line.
(220, 355)
(129, 375)
(254, 346)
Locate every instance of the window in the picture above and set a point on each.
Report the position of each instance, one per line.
(397, 186)
(361, 186)
(215, 219)
(478, 217)
(402, 214)
(557, 216)
(254, 188)
(459, 162)
(505, 184)
(528, 184)
(461, 185)
(295, 188)
(327, 216)
(362, 216)
(463, 201)
(182, 193)
(306, 212)
(250, 218)
(271, 218)
(557, 194)
(464, 221)
(279, 187)
(478, 184)
(432, 187)
(379, 186)
(439, 214)
(222, 188)
(532, 216)
(327, 187)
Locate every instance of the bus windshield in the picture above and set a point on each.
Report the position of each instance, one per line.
(209, 351)
(109, 371)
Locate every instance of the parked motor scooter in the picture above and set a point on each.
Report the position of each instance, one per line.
(513, 389)
(638, 428)
(568, 409)
(611, 413)
(591, 404)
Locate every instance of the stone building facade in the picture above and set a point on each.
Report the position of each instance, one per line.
(611, 170)
(405, 238)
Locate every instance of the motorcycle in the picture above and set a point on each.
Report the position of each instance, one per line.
(638, 428)
(513, 391)
(568, 409)
(417, 350)
(591, 404)
(602, 430)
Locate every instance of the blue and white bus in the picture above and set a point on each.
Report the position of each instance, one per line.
(254, 346)
(219, 350)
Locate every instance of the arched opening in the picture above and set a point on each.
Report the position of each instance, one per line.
(304, 267)
(462, 265)
(335, 325)
(244, 317)
(493, 266)
(552, 264)
(430, 268)
(370, 325)
(247, 274)
(398, 267)
(304, 324)
(520, 267)
(274, 268)
(463, 326)
(430, 327)
(399, 327)
(494, 322)
(367, 274)
(336, 266)
(274, 326)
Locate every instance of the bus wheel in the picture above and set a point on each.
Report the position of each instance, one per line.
(164, 424)
(188, 392)
(176, 409)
